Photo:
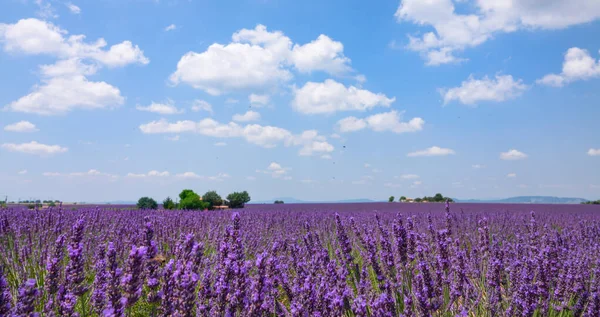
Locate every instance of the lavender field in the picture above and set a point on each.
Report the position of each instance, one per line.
(378, 259)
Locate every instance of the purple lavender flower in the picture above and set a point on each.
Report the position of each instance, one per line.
(132, 281)
(98, 299)
(75, 275)
(28, 293)
(5, 296)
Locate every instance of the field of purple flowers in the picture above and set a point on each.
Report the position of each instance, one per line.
(302, 260)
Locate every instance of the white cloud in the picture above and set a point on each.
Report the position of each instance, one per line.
(335, 136)
(45, 9)
(173, 138)
(409, 176)
(246, 117)
(152, 173)
(188, 175)
(264, 136)
(201, 105)
(64, 86)
(171, 27)
(91, 173)
(512, 155)
(432, 151)
(220, 144)
(416, 184)
(381, 122)
(256, 59)
(165, 108)
(454, 32)
(330, 96)
(392, 185)
(60, 95)
(511, 175)
(473, 90)
(477, 166)
(73, 8)
(578, 65)
(322, 54)
(51, 174)
(594, 152)
(33, 36)
(259, 100)
(21, 126)
(275, 170)
(34, 148)
(23, 172)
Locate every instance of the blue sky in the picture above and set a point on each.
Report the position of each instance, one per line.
(318, 100)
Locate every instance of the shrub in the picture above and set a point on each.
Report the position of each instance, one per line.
(191, 201)
(168, 203)
(391, 199)
(238, 199)
(279, 202)
(147, 203)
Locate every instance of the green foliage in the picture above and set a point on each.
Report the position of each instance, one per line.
(279, 202)
(191, 201)
(418, 200)
(185, 193)
(168, 203)
(391, 199)
(238, 199)
(212, 198)
(147, 203)
(2, 204)
(51, 204)
(592, 202)
(402, 198)
(31, 206)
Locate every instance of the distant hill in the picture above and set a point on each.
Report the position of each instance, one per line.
(527, 200)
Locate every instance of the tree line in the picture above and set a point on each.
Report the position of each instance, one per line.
(189, 200)
(437, 198)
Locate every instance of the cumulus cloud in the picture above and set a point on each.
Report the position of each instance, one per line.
(381, 122)
(432, 151)
(34, 148)
(264, 136)
(594, 152)
(330, 97)
(165, 108)
(259, 100)
(255, 59)
(513, 155)
(152, 173)
(64, 85)
(191, 175)
(473, 90)
(246, 117)
(577, 65)
(60, 95)
(477, 166)
(454, 32)
(21, 126)
(201, 105)
(171, 27)
(511, 175)
(22, 172)
(275, 170)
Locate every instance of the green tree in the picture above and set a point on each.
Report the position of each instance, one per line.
(238, 199)
(185, 193)
(279, 202)
(51, 204)
(438, 198)
(402, 198)
(147, 203)
(212, 198)
(191, 201)
(418, 200)
(391, 199)
(168, 203)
